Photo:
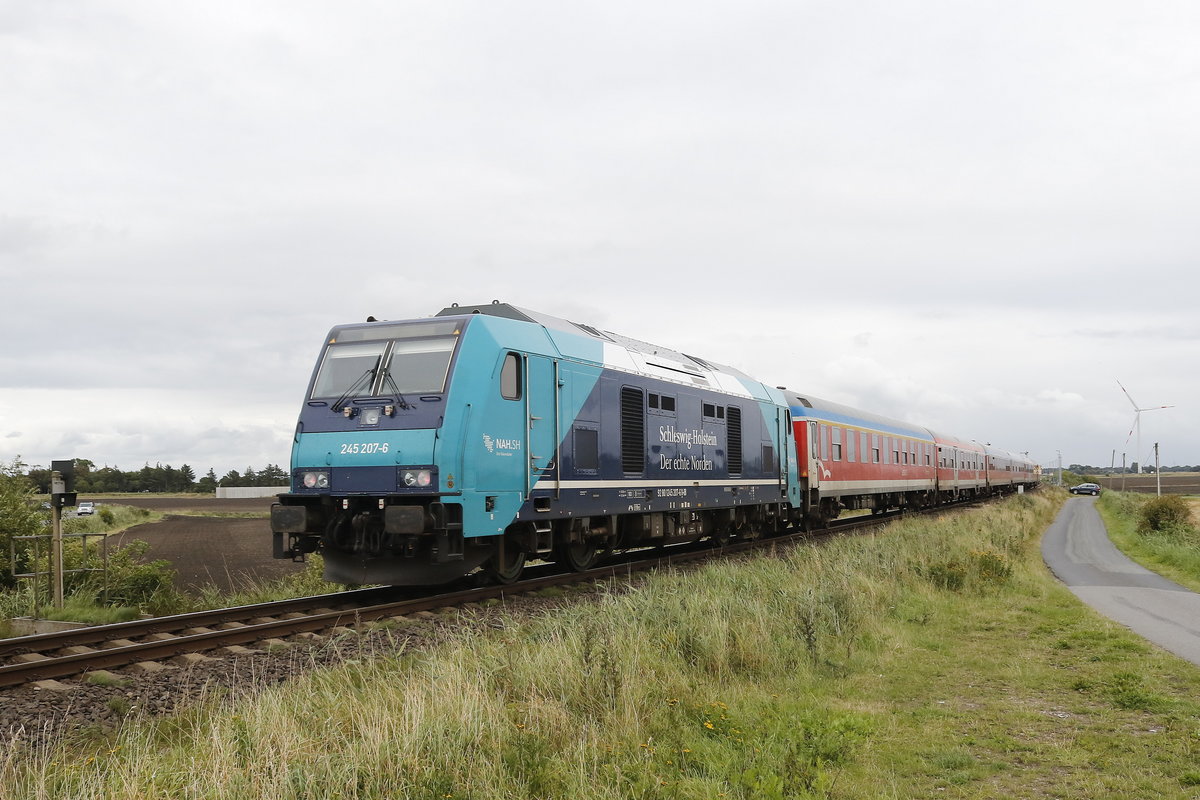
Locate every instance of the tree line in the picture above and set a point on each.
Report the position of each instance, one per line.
(157, 478)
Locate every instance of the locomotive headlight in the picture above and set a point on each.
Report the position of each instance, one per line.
(417, 478)
(316, 480)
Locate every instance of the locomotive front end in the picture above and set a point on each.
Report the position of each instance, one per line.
(369, 488)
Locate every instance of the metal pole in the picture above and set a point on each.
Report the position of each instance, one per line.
(1157, 472)
(56, 558)
(1122, 472)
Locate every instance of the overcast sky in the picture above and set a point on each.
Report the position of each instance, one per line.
(977, 216)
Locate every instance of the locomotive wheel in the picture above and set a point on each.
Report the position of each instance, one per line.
(506, 565)
(579, 556)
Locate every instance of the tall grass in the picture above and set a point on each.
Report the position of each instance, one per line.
(815, 673)
(308, 581)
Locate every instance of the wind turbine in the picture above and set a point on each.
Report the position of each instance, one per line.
(1137, 424)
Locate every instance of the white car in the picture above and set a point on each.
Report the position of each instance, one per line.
(85, 508)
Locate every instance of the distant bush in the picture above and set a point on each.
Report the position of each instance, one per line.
(1163, 514)
(127, 581)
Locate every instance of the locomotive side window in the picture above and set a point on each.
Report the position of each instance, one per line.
(510, 377)
(587, 449)
(660, 403)
(768, 456)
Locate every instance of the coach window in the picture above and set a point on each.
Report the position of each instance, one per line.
(814, 443)
(510, 377)
(875, 454)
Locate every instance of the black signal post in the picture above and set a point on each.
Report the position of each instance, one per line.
(62, 494)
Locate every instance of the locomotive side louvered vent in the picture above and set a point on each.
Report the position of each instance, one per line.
(633, 431)
(734, 420)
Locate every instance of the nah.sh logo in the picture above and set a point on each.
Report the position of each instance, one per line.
(493, 445)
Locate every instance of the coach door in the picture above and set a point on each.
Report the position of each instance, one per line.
(814, 455)
(541, 414)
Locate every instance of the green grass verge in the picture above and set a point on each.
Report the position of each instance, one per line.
(938, 659)
(1173, 555)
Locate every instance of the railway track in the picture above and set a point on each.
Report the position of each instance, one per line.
(144, 643)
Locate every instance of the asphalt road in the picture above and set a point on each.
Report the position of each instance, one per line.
(1078, 551)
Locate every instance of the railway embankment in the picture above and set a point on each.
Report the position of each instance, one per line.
(938, 658)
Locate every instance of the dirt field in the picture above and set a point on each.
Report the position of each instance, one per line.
(225, 551)
(1172, 483)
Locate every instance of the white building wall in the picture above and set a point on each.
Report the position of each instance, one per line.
(250, 491)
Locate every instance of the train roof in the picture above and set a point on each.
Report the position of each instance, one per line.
(805, 405)
(626, 353)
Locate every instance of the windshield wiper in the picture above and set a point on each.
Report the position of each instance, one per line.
(367, 378)
(387, 376)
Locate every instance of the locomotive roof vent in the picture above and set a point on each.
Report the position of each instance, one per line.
(492, 309)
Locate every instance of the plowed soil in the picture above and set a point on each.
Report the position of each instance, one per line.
(1171, 483)
(227, 552)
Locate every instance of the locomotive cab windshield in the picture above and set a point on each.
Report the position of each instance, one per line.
(409, 358)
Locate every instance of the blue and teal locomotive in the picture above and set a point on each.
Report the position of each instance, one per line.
(488, 435)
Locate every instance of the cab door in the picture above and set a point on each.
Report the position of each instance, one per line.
(542, 423)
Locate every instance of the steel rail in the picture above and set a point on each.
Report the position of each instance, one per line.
(94, 634)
